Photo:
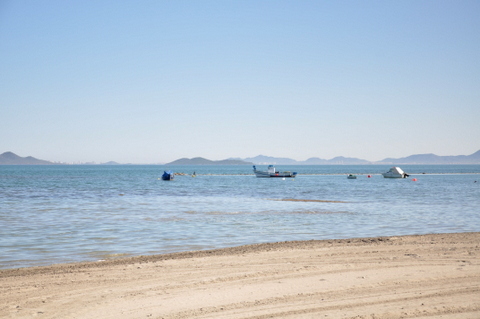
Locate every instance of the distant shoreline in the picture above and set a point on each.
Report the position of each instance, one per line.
(9, 158)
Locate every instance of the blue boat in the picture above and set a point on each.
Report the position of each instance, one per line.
(168, 175)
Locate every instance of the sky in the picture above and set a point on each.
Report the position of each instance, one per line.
(154, 81)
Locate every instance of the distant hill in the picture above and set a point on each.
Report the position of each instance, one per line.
(110, 163)
(204, 161)
(9, 158)
(435, 159)
(266, 160)
(339, 160)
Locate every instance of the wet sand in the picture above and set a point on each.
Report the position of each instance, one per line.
(427, 276)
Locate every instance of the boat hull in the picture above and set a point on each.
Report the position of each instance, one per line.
(168, 176)
(269, 175)
(393, 176)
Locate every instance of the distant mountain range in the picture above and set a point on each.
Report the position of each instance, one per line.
(264, 160)
(340, 160)
(435, 159)
(9, 158)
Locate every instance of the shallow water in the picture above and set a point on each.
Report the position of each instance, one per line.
(53, 214)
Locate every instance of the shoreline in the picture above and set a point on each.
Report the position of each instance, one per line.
(249, 248)
(414, 276)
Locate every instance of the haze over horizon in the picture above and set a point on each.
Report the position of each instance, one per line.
(156, 81)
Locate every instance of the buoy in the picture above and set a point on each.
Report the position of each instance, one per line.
(369, 176)
(414, 179)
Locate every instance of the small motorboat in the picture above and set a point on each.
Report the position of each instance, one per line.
(395, 172)
(168, 175)
(351, 176)
(271, 172)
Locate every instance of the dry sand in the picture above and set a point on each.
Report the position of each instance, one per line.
(428, 276)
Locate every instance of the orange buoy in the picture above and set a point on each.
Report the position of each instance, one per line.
(414, 179)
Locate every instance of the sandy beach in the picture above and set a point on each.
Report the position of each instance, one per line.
(426, 276)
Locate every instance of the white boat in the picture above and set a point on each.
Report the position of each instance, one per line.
(271, 172)
(395, 172)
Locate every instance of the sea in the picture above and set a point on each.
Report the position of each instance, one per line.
(71, 213)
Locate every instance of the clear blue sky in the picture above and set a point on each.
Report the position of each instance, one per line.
(154, 81)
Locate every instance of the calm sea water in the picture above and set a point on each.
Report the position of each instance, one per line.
(56, 214)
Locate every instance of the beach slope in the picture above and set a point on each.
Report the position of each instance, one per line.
(426, 276)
